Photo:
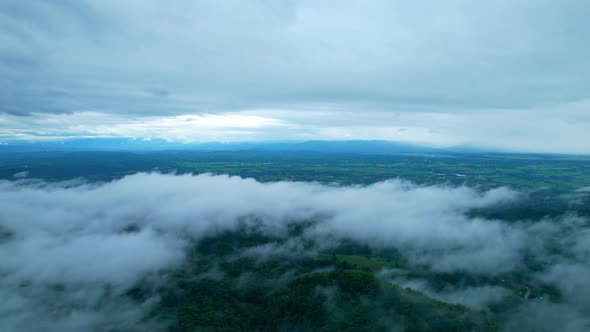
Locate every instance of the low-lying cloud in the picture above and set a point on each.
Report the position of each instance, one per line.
(96, 241)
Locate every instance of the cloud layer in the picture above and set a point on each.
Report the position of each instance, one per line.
(503, 74)
(97, 240)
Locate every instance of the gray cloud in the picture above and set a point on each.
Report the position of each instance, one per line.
(157, 92)
(471, 65)
(265, 53)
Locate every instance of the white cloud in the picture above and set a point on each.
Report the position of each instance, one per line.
(95, 241)
(180, 128)
(69, 226)
(551, 129)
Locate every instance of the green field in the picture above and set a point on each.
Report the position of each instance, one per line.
(483, 171)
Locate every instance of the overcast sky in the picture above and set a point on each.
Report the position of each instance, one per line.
(504, 74)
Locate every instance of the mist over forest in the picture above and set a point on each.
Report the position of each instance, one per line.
(188, 252)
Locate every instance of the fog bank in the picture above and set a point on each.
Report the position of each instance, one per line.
(91, 243)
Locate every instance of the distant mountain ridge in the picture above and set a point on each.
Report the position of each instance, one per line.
(131, 144)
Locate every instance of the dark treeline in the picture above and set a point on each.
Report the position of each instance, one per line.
(223, 287)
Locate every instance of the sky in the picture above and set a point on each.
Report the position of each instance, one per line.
(507, 74)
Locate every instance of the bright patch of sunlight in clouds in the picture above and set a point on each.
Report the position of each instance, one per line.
(184, 128)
